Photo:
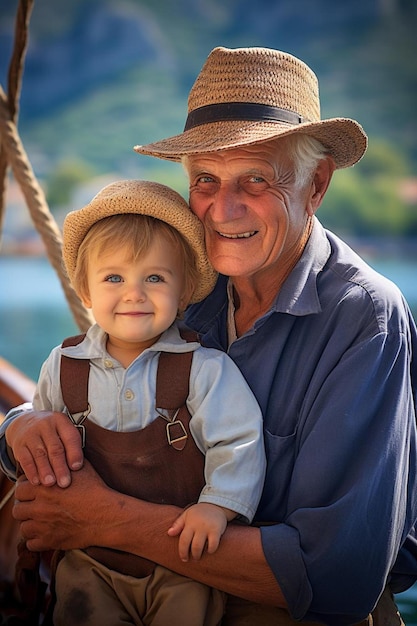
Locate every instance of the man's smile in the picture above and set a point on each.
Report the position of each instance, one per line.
(238, 235)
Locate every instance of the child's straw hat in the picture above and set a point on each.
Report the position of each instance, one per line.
(145, 198)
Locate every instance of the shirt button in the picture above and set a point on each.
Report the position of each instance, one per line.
(108, 363)
(129, 395)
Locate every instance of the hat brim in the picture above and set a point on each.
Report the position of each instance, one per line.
(344, 138)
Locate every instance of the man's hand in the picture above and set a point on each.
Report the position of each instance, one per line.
(54, 518)
(90, 513)
(46, 445)
(200, 525)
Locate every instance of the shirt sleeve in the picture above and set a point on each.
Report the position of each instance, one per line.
(5, 463)
(227, 427)
(349, 498)
(47, 396)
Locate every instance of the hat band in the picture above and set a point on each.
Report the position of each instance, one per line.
(229, 111)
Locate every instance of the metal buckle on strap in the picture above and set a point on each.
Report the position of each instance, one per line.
(175, 439)
(78, 422)
(176, 434)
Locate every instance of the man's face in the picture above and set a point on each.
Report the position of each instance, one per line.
(253, 213)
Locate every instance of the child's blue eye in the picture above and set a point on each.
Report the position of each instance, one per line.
(113, 278)
(155, 278)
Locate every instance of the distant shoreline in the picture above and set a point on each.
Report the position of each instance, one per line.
(388, 247)
(369, 247)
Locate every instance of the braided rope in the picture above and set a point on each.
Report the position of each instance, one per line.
(23, 14)
(12, 153)
(38, 209)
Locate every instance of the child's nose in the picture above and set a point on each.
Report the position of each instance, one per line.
(135, 293)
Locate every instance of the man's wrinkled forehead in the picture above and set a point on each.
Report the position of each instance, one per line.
(260, 158)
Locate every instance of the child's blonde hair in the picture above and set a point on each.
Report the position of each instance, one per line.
(136, 233)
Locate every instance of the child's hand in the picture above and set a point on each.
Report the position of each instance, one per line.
(199, 526)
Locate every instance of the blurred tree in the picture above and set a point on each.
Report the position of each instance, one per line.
(64, 179)
(366, 200)
(382, 159)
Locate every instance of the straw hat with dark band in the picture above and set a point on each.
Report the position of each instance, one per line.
(245, 96)
(144, 198)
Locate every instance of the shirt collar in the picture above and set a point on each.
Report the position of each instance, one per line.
(93, 345)
(299, 295)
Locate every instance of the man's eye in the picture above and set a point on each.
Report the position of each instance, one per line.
(205, 179)
(155, 278)
(255, 184)
(113, 278)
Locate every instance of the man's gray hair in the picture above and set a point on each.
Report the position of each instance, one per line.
(305, 152)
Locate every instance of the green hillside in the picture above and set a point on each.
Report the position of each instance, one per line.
(101, 76)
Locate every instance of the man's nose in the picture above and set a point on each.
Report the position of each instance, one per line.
(227, 205)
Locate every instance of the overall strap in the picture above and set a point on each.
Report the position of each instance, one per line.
(173, 376)
(172, 382)
(172, 387)
(74, 378)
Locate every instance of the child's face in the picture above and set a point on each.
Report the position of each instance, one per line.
(134, 302)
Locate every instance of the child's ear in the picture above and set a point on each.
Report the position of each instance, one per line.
(85, 299)
(184, 302)
(182, 305)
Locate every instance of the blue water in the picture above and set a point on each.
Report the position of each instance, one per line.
(34, 317)
(34, 313)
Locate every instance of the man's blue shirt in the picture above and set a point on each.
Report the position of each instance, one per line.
(333, 367)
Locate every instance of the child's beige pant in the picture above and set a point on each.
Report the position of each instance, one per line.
(90, 594)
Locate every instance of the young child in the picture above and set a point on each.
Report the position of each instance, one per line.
(135, 255)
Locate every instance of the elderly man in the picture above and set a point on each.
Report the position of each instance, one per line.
(325, 343)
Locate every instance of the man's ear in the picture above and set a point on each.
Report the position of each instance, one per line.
(320, 183)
